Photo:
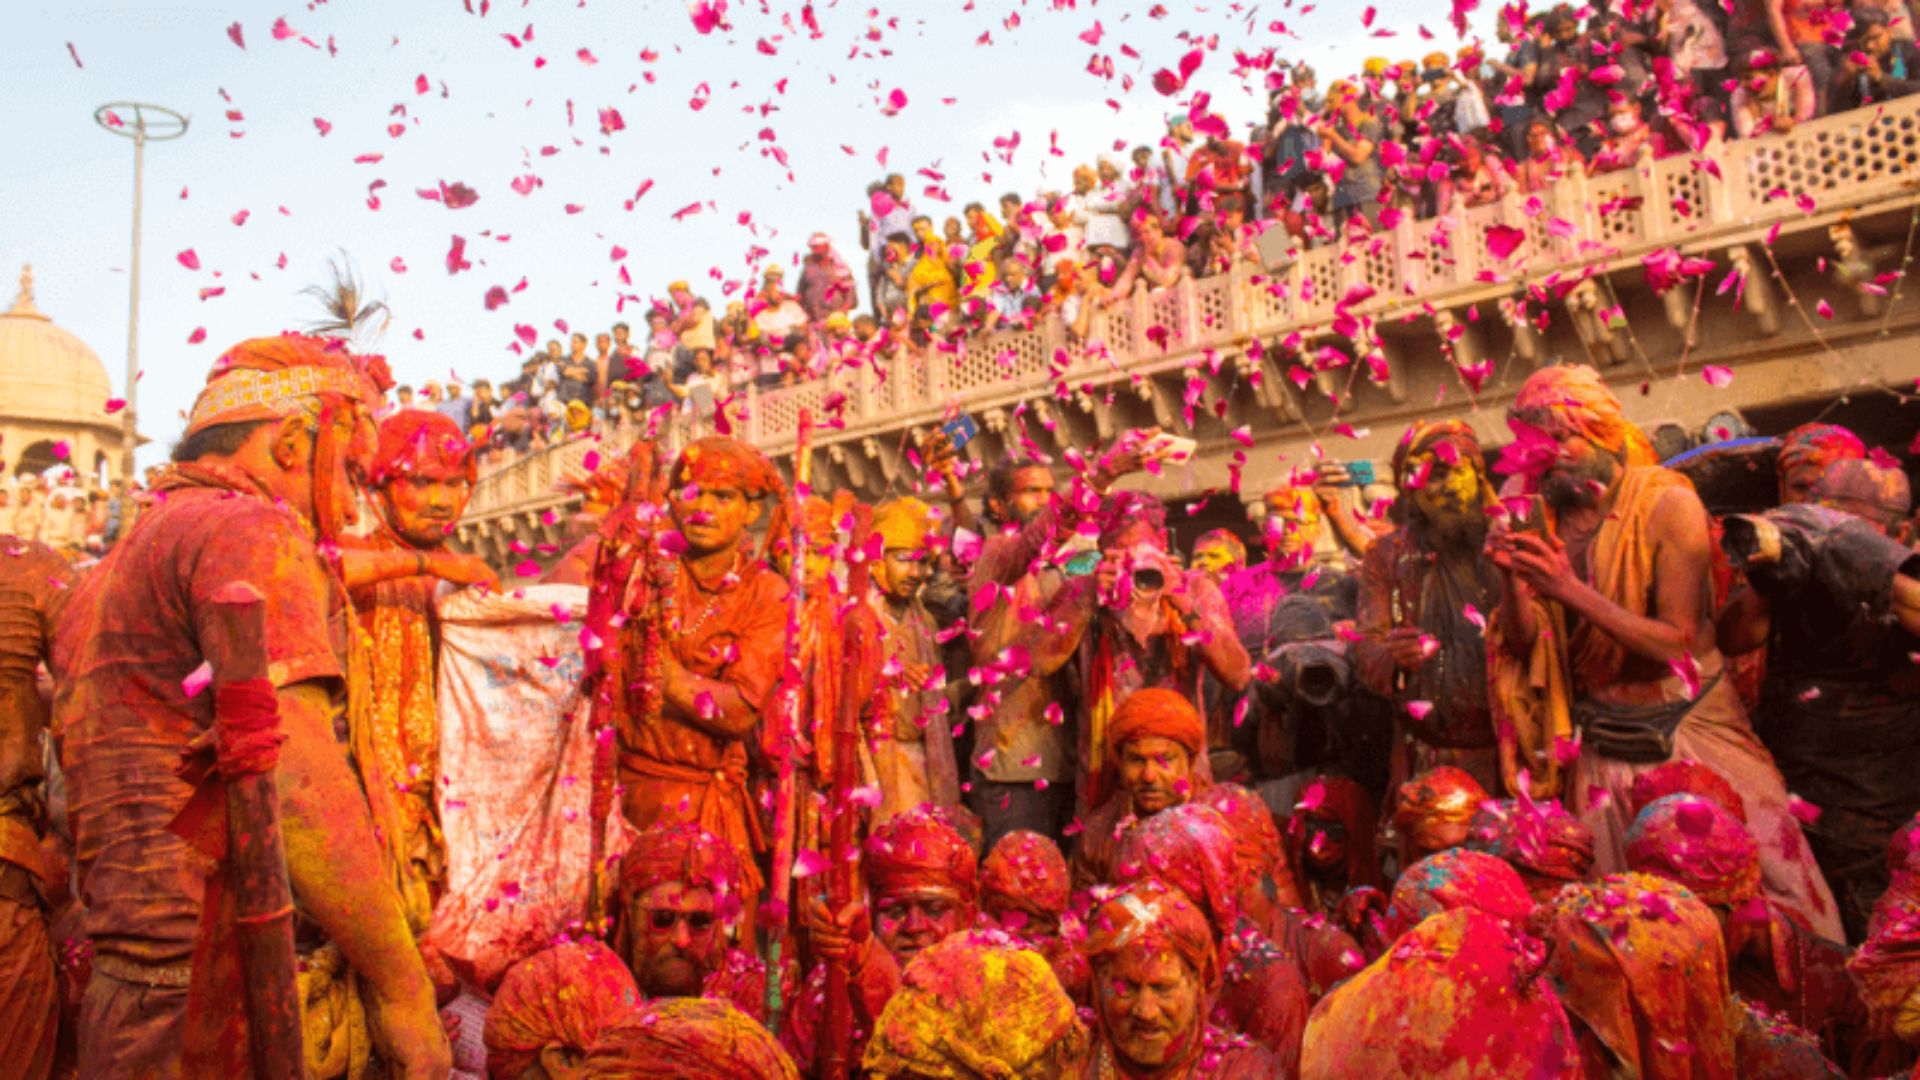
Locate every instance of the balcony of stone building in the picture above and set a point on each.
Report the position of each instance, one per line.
(1795, 247)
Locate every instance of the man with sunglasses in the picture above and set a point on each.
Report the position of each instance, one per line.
(678, 904)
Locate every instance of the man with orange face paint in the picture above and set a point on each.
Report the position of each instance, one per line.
(913, 741)
(261, 476)
(1606, 625)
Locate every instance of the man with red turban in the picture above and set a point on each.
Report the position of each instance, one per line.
(553, 1009)
(1685, 778)
(978, 1004)
(1805, 453)
(1462, 996)
(1435, 808)
(716, 645)
(422, 476)
(1773, 958)
(1424, 592)
(33, 587)
(1547, 846)
(1156, 759)
(922, 885)
(1606, 626)
(1024, 892)
(688, 1039)
(260, 483)
(679, 904)
(1454, 879)
(1156, 972)
(1330, 843)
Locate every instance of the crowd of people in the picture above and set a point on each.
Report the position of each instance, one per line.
(1565, 92)
(1517, 768)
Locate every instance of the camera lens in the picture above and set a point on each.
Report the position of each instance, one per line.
(1149, 580)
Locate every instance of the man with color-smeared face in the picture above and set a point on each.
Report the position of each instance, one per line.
(913, 745)
(679, 904)
(1421, 589)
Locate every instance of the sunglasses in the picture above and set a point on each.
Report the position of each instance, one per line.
(698, 922)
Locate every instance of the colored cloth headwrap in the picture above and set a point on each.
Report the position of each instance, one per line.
(1538, 838)
(1691, 840)
(1152, 916)
(1639, 961)
(1155, 713)
(919, 849)
(1446, 795)
(685, 854)
(1257, 847)
(277, 377)
(1863, 489)
(1575, 400)
(1818, 445)
(1454, 879)
(1190, 847)
(1425, 438)
(689, 1039)
(420, 442)
(566, 997)
(1461, 995)
(1025, 872)
(904, 523)
(1685, 778)
(721, 462)
(977, 1005)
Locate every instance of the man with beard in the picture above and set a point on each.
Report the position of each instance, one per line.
(913, 747)
(422, 476)
(1424, 592)
(1157, 747)
(1605, 626)
(679, 904)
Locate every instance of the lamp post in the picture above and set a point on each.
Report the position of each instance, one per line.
(143, 124)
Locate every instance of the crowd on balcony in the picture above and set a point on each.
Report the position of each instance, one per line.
(1563, 92)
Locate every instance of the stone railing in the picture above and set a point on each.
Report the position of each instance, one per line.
(1737, 193)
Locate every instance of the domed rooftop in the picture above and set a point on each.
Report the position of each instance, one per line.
(46, 373)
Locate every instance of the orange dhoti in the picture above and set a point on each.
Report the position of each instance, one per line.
(29, 986)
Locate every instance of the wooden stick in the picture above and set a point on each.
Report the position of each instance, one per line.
(257, 860)
(785, 812)
(861, 635)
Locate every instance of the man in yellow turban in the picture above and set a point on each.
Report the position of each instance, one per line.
(913, 741)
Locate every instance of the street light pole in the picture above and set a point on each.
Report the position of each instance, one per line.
(148, 123)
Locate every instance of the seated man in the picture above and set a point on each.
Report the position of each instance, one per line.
(977, 1004)
(689, 1039)
(553, 1008)
(922, 885)
(1024, 892)
(1433, 811)
(1547, 846)
(1156, 971)
(679, 905)
(1155, 761)
(1453, 879)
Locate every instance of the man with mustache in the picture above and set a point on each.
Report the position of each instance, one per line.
(1424, 592)
(679, 906)
(1606, 627)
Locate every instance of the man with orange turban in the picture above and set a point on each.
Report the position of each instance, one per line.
(1424, 592)
(1156, 972)
(1434, 809)
(1773, 958)
(913, 741)
(1462, 995)
(679, 905)
(717, 643)
(33, 587)
(1024, 892)
(260, 483)
(978, 1004)
(554, 1008)
(688, 1039)
(1156, 759)
(1606, 626)
(422, 476)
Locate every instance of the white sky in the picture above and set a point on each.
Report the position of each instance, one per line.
(491, 115)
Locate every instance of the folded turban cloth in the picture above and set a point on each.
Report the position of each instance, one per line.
(1157, 714)
(685, 854)
(718, 461)
(1887, 967)
(977, 1005)
(1257, 847)
(920, 849)
(424, 443)
(1190, 847)
(1685, 778)
(1537, 838)
(278, 377)
(1453, 879)
(1575, 400)
(567, 997)
(1865, 490)
(1152, 916)
(1695, 842)
(904, 523)
(1818, 445)
(1441, 796)
(1025, 872)
(1640, 961)
(1427, 438)
(689, 1039)
(1461, 995)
